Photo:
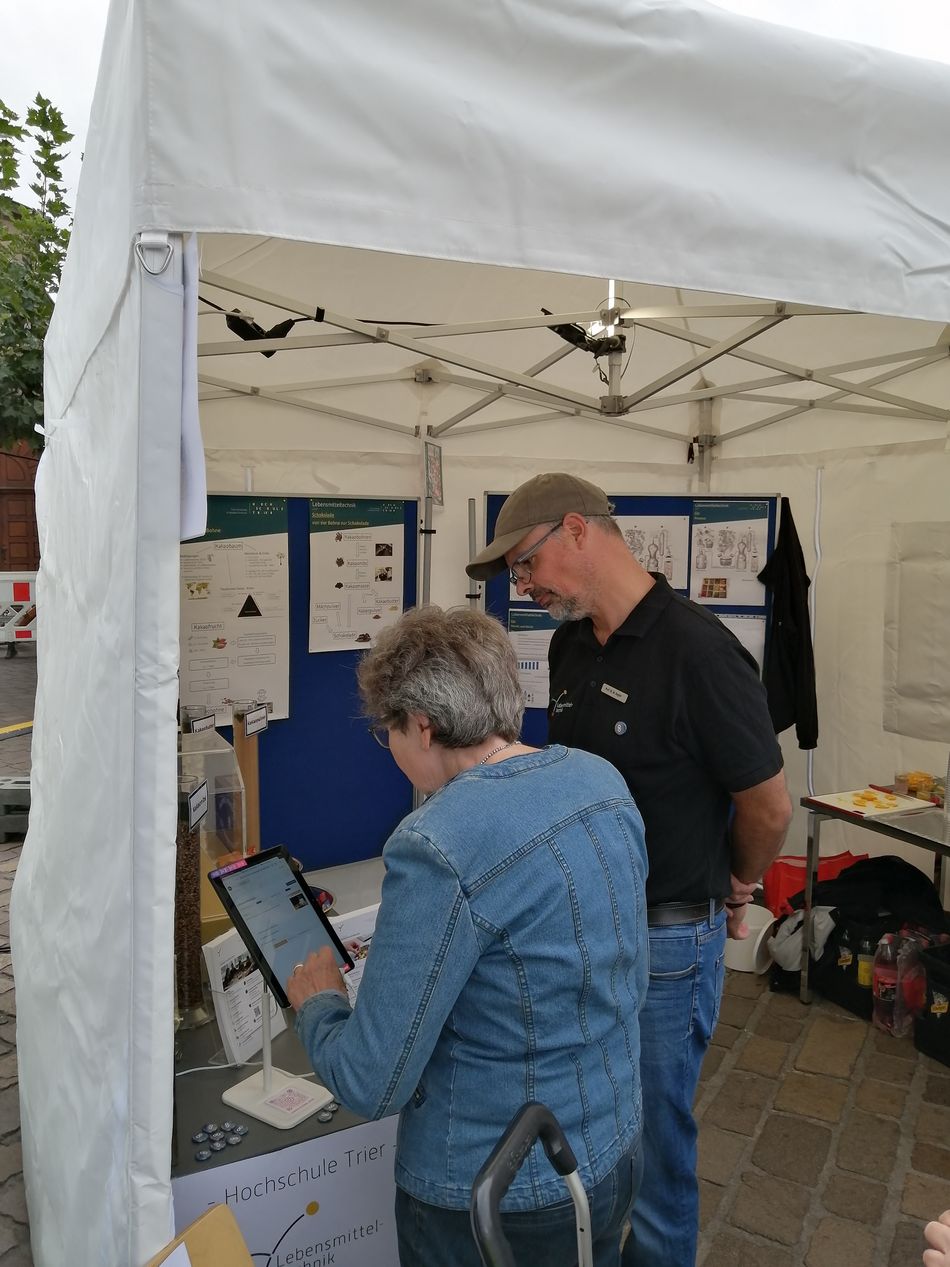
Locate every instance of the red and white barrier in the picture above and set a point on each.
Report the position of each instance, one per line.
(17, 606)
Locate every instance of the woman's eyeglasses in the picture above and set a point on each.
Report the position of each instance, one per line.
(523, 566)
(381, 735)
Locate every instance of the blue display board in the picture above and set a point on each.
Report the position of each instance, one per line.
(710, 549)
(328, 791)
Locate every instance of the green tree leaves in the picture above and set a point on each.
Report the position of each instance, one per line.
(33, 243)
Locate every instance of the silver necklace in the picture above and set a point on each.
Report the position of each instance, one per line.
(495, 751)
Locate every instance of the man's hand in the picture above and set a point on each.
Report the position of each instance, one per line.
(736, 905)
(318, 973)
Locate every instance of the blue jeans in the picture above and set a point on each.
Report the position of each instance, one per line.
(432, 1236)
(687, 967)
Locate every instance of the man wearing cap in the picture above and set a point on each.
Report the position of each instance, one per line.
(658, 686)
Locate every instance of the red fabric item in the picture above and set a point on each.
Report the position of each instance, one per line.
(786, 877)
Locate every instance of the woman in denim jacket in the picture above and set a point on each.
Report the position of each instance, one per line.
(509, 959)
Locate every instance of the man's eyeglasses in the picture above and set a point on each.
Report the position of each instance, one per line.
(381, 735)
(522, 567)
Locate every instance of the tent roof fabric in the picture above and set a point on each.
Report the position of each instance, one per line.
(666, 142)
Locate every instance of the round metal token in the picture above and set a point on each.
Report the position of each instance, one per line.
(200, 1137)
(202, 1154)
(227, 1126)
(620, 728)
(216, 1145)
(215, 1136)
(210, 1127)
(332, 1107)
(324, 1116)
(234, 1139)
(240, 1129)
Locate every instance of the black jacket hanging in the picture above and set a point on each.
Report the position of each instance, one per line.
(789, 672)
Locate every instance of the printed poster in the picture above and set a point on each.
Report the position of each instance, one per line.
(660, 543)
(356, 571)
(730, 547)
(235, 608)
(530, 631)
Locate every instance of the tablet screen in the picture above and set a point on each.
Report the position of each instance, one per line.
(276, 915)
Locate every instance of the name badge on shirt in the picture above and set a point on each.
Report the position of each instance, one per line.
(619, 696)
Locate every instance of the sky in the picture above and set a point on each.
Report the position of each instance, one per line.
(53, 46)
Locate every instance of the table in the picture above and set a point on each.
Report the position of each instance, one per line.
(927, 828)
(321, 1192)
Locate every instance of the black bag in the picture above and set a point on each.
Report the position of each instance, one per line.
(932, 1026)
(872, 897)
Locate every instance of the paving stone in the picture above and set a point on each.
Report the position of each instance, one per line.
(924, 1196)
(738, 1104)
(888, 1045)
(812, 1095)
(11, 1161)
(780, 1028)
(889, 1069)
(932, 1160)
(710, 1195)
(791, 1148)
(744, 985)
(13, 1200)
(907, 1245)
(718, 1154)
(731, 1250)
(831, 1047)
(9, 1110)
(736, 1011)
(937, 1090)
(8, 1236)
(790, 1006)
(724, 1035)
(868, 1145)
(770, 1207)
(19, 1256)
(711, 1062)
(878, 1097)
(933, 1123)
(852, 1198)
(762, 1055)
(836, 1242)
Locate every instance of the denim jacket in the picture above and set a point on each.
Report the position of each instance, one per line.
(509, 963)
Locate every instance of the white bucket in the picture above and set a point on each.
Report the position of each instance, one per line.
(752, 954)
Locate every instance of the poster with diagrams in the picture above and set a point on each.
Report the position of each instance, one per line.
(730, 546)
(356, 571)
(660, 543)
(530, 630)
(235, 609)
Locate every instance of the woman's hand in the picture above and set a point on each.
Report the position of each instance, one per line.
(937, 1236)
(318, 973)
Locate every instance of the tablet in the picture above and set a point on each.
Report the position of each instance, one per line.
(276, 914)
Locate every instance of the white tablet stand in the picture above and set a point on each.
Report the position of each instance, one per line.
(280, 1099)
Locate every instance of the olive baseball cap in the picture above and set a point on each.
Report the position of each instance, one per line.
(546, 499)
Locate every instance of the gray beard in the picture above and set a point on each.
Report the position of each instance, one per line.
(566, 609)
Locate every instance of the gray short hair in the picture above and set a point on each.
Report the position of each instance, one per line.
(458, 667)
(606, 523)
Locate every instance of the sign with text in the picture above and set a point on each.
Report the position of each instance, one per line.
(255, 720)
(328, 1200)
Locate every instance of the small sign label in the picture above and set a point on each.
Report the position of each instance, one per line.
(255, 720)
(198, 724)
(614, 693)
(197, 805)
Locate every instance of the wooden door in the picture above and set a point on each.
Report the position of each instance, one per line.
(19, 543)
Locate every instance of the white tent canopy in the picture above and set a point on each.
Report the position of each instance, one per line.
(411, 163)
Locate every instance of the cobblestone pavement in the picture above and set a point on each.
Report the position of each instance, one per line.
(823, 1143)
(17, 688)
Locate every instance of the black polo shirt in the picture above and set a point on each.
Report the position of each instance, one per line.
(674, 701)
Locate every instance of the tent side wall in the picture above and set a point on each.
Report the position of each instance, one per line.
(92, 902)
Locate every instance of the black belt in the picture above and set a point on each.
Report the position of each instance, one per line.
(683, 912)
